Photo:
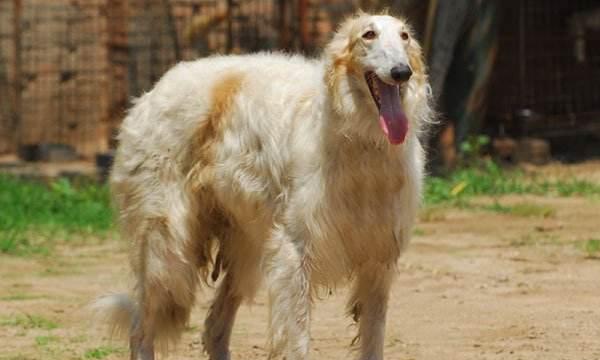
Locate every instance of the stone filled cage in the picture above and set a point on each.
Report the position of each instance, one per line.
(68, 68)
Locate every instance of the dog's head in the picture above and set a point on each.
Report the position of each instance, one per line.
(377, 71)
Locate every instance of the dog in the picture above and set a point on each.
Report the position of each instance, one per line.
(299, 173)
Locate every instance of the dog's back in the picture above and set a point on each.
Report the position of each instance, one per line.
(222, 129)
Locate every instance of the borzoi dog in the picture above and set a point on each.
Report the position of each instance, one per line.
(269, 167)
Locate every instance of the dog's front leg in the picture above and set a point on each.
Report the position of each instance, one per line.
(368, 306)
(289, 297)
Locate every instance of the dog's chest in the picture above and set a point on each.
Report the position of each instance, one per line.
(361, 202)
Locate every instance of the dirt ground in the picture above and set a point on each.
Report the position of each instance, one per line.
(474, 284)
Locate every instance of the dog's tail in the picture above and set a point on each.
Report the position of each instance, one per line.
(119, 311)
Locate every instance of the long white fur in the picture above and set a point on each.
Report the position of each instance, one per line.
(278, 164)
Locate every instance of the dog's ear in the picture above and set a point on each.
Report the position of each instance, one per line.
(342, 36)
(416, 60)
(345, 36)
(421, 93)
(340, 63)
(339, 46)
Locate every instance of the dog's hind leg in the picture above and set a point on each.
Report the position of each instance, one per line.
(167, 279)
(241, 260)
(368, 306)
(164, 226)
(289, 297)
(219, 322)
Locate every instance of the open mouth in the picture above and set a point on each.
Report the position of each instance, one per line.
(392, 119)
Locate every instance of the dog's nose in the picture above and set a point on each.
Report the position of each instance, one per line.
(401, 72)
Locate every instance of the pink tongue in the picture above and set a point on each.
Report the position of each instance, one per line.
(392, 119)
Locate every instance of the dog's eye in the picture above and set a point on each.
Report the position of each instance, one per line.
(404, 35)
(369, 35)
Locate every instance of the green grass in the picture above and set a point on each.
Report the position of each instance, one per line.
(78, 339)
(537, 239)
(433, 213)
(34, 212)
(592, 248)
(102, 352)
(35, 215)
(489, 179)
(27, 321)
(418, 232)
(19, 297)
(45, 340)
(524, 209)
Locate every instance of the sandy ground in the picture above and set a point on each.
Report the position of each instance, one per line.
(473, 285)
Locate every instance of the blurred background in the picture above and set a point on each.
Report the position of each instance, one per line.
(524, 74)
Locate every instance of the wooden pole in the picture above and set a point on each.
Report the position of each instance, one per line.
(284, 33)
(118, 59)
(230, 5)
(18, 86)
(303, 23)
(172, 30)
(429, 27)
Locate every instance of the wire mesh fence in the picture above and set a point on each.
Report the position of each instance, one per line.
(68, 68)
(547, 78)
(52, 72)
(8, 100)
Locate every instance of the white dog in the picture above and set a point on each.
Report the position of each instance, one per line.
(302, 173)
